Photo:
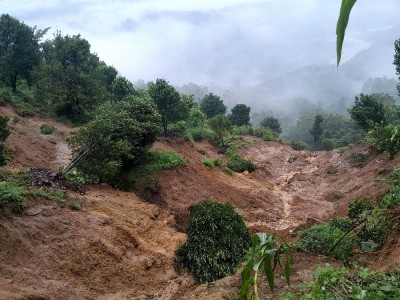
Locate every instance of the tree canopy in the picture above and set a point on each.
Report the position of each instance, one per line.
(212, 105)
(19, 49)
(272, 123)
(240, 115)
(368, 112)
(167, 100)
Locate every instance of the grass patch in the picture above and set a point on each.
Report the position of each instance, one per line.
(212, 162)
(52, 194)
(240, 165)
(159, 160)
(344, 283)
(10, 194)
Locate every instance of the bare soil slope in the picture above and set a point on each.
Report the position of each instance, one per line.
(119, 247)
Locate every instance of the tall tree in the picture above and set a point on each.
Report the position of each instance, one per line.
(212, 105)
(19, 49)
(68, 77)
(272, 123)
(167, 100)
(240, 115)
(121, 87)
(316, 130)
(367, 111)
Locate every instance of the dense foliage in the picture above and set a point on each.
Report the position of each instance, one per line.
(344, 283)
(221, 125)
(114, 139)
(212, 105)
(316, 130)
(217, 241)
(272, 123)
(368, 112)
(240, 115)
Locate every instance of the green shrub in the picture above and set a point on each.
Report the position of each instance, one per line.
(4, 134)
(386, 139)
(197, 134)
(241, 130)
(11, 194)
(229, 171)
(5, 94)
(209, 162)
(217, 241)
(266, 134)
(76, 205)
(46, 129)
(52, 194)
(159, 160)
(358, 159)
(359, 206)
(320, 238)
(240, 165)
(344, 283)
(328, 144)
(375, 229)
(74, 175)
(343, 224)
(298, 145)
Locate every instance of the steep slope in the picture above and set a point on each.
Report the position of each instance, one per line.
(120, 247)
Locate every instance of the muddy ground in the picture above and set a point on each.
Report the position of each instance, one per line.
(121, 247)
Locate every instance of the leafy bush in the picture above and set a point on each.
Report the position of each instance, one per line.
(386, 139)
(266, 134)
(359, 206)
(75, 205)
(212, 162)
(298, 145)
(240, 165)
(320, 238)
(217, 242)
(328, 144)
(343, 283)
(376, 228)
(46, 129)
(197, 134)
(208, 162)
(229, 171)
(358, 159)
(114, 140)
(343, 224)
(242, 130)
(11, 194)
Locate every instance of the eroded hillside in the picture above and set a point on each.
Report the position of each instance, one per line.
(121, 247)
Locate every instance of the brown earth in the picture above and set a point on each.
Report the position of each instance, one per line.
(120, 247)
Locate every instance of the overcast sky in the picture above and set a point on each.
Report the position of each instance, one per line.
(208, 41)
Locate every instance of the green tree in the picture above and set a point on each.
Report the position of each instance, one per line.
(167, 100)
(217, 242)
(196, 117)
(212, 105)
(221, 125)
(272, 123)
(68, 78)
(121, 87)
(19, 49)
(396, 61)
(114, 139)
(240, 115)
(368, 112)
(316, 130)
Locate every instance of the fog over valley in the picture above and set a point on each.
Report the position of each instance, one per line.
(268, 54)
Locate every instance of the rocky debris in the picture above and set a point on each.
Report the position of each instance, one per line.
(49, 178)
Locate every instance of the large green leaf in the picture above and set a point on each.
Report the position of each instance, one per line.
(343, 20)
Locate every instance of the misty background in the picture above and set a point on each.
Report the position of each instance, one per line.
(276, 55)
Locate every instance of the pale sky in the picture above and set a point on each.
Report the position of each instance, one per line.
(209, 41)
